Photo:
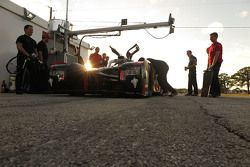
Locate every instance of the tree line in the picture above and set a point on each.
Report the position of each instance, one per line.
(240, 79)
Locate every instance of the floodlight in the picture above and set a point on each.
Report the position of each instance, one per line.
(28, 15)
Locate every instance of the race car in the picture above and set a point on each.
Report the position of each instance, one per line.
(122, 76)
(56, 78)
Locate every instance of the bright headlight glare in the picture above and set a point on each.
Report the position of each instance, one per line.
(88, 66)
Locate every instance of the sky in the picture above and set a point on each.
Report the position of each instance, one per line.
(194, 21)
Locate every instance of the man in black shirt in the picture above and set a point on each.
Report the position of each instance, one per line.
(43, 54)
(42, 48)
(26, 47)
(192, 82)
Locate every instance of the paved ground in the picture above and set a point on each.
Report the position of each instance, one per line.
(61, 130)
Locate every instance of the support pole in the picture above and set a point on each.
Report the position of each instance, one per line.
(66, 30)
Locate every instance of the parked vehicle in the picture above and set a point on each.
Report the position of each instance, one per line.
(122, 76)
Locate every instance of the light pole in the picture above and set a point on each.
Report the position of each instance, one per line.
(66, 29)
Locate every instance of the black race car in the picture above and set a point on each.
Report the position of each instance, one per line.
(122, 76)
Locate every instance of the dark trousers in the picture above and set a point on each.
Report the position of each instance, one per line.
(27, 75)
(215, 86)
(192, 83)
(19, 73)
(43, 77)
(33, 69)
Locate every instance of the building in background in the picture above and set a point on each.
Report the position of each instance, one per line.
(14, 18)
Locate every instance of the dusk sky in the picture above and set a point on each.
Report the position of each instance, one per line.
(194, 21)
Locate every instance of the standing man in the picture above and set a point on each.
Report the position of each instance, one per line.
(161, 68)
(214, 63)
(42, 48)
(43, 53)
(96, 58)
(26, 47)
(192, 82)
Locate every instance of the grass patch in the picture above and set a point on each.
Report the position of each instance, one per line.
(236, 95)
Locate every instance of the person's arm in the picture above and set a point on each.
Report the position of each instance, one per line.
(36, 52)
(35, 49)
(216, 57)
(39, 51)
(20, 48)
(192, 65)
(90, 57)
(40, 55)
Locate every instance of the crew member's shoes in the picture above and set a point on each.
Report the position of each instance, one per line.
(19, 92)
(213, 95)
(165, 93)
(170, 94)
(188, 94)
(174, 93)
(196, 94)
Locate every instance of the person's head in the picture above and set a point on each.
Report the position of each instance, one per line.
(104, 55)
(189, 53)
(213, 37)
(97, 49)
(45, 36)
(141, 59)
(28, 30)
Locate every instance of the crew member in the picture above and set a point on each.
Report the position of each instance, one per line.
(26, 47)
(95, 58)
(105, 60)
(42, 48)
(214, 63)
(43, 53)
(161, 69)
(192, 82)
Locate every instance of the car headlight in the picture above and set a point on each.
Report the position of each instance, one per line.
(88, 66)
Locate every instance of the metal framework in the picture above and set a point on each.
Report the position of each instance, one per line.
(68, 33)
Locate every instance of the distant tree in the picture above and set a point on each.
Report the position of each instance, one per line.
(242, 78)
(225, 82)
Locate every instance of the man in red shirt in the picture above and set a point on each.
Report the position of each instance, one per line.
(214, 63)
(96, 58)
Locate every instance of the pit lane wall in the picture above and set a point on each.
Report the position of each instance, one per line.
(11, 26)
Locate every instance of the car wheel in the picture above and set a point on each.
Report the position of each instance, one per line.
(74, 77)
(150, 83)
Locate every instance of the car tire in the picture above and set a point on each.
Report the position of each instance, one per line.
(74, 77)
(150, 83)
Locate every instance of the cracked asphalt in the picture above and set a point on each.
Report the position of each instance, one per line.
(61, 130)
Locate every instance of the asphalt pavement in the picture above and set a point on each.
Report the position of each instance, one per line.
(62, 130)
